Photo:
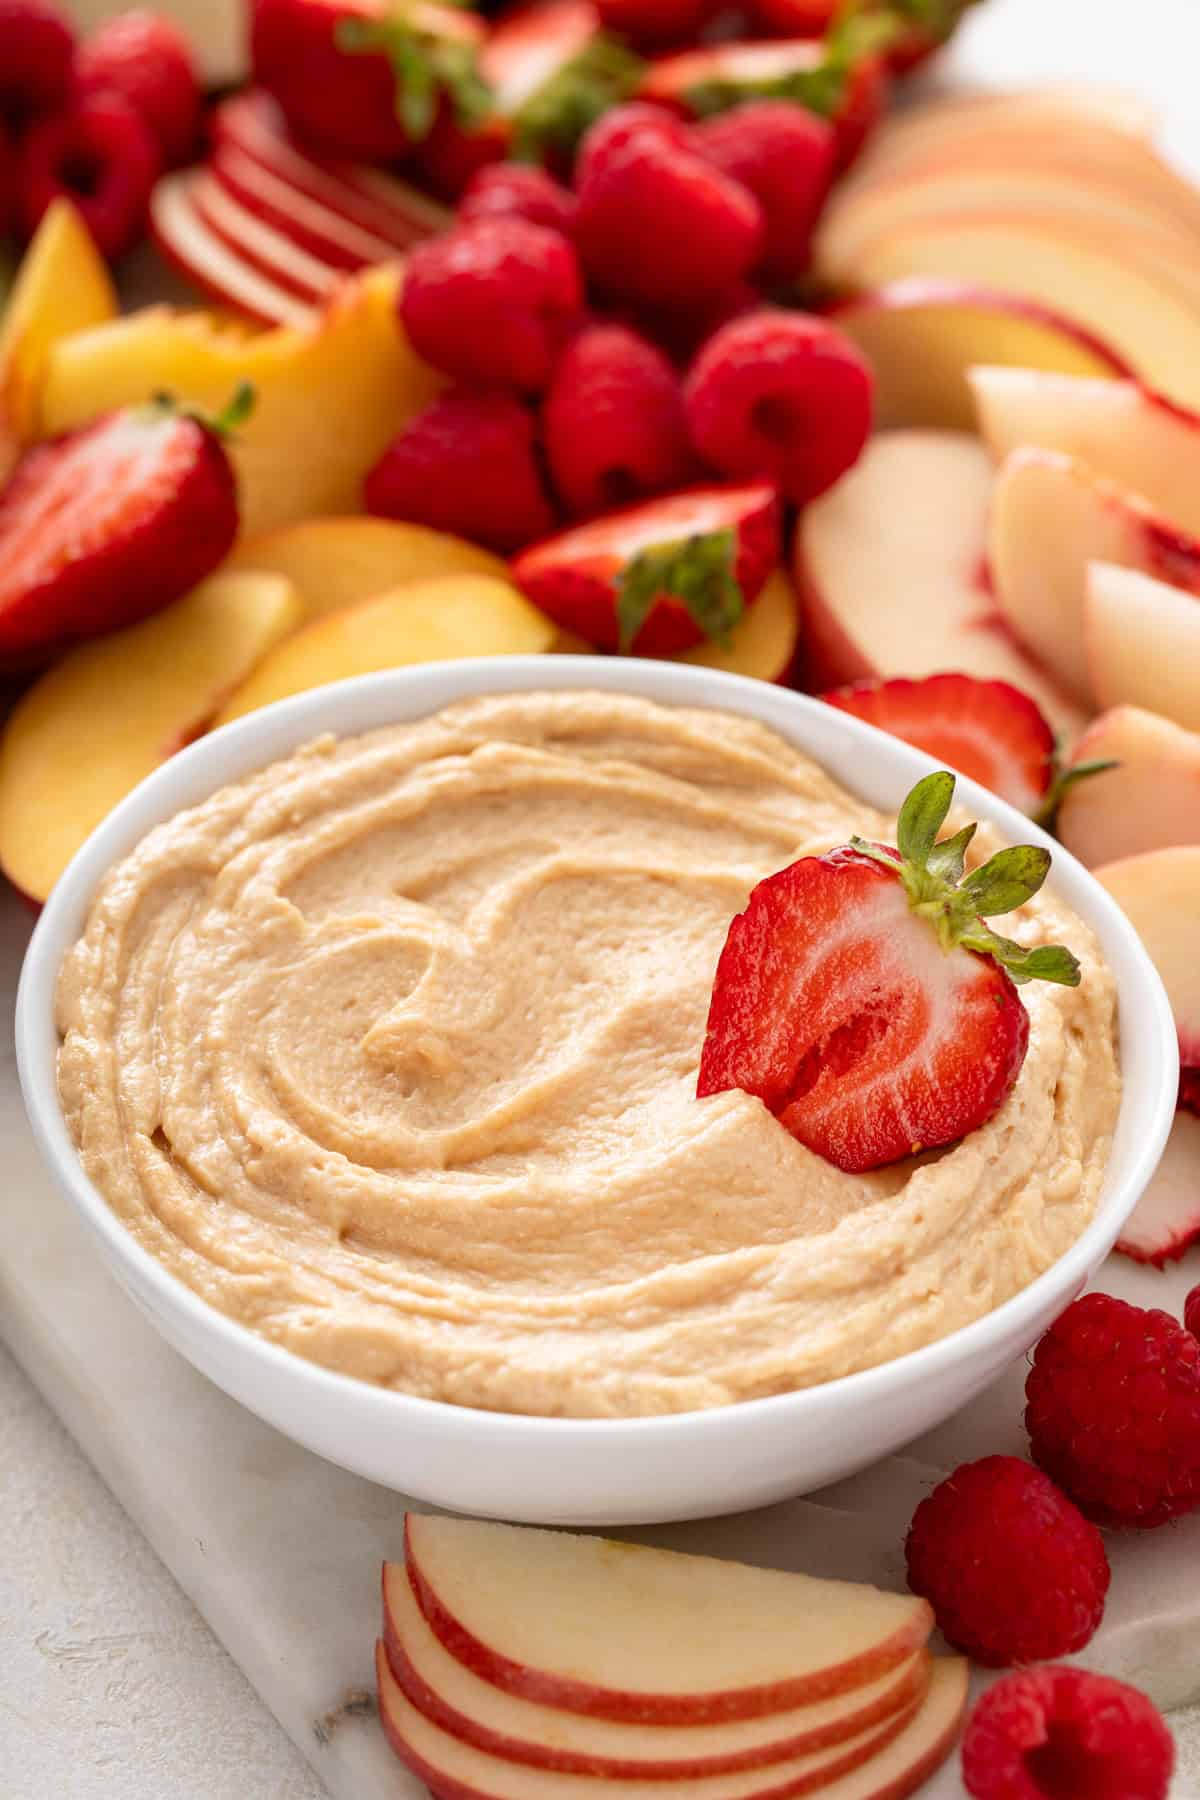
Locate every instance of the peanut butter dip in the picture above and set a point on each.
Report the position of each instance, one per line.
(389, 1052)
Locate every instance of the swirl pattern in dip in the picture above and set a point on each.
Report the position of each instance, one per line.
(389, 1052)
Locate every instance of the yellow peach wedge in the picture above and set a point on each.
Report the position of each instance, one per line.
(340, 561)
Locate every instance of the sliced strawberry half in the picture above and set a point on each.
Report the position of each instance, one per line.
(661, 576)
(106, 525)
(864, 1000)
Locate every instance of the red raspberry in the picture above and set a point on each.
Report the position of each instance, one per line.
(657, 224)
(36, 50)
(1189, 1090)
(518, 191)
(147, 59)
(100, 156)
(467, 464)
(783, 395)
(1012, 1570)
(493, 302)
(1191, 1312)
(617, 127)
(683, 331)
(784, 155)
(614, 422)
(1113, 1411)
(1062, 1734)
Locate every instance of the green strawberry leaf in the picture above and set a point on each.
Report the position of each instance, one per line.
(1047, 812)
(699, 571)
(1008, 880)
(922, 817)
(428, 68)
(556, 115)
(949, 858)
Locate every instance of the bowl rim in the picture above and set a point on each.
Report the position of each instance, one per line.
(297, 720)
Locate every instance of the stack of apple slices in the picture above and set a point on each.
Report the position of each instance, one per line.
(533, 1665)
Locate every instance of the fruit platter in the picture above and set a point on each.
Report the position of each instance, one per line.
(600, 774)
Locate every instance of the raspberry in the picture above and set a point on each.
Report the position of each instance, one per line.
(617, 127)
(783, 395)
(1189, 1090)
(1191, 1312)
(784, 155)
(493, 301)
(1012, 1570)
(518, 191)
(145, 58)
(1113, 1411)
(1062, 1734)
(683, 331)
(103, 158)
(613, 421)
(657, 224)
(36, 50)
(466, 464)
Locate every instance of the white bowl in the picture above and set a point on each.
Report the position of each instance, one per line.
(592, 1472)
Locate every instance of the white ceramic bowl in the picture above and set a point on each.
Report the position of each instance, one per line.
(596, 1472)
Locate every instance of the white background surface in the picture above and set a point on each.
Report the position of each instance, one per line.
(110, 1683)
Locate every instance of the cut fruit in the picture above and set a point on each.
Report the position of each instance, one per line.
(1051, 516)
(1165, 1223)
(1121, 430)
(522, 1731)
(1150, 801)
(309, 224)
(193, 248)
(265, 249)
(890, 570)
(648, 1635)
(1142, 639)
(339, 561)
(111, 711)
(921, 336)
(765, 641)
(1159, 893)
(329, 397)
(887, 1763)
(422, 621)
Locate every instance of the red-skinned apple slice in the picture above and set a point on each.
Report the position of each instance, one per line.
(198, 253)
(308, 223)
(889, 1762)
(663, 1638)
(523, 1731)
(1159, 892)
(1165, 1223)
(1051, 516)
(890, 570)
(1122, 430)
(1142, 638)
(259, 244)
(1150, 801)
(922, 337)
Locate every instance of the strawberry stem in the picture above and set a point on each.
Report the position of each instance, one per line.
(556, 115)
(223, 425)
(427, 68)
(699, 571)
(1047, 812)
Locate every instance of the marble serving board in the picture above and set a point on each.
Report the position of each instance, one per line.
(281, 1551)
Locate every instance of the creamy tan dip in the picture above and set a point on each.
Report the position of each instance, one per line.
(389, 1052)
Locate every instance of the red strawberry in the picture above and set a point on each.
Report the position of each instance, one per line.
(657, 224)
(493, 301)
(101, 156)
(36, 49)
(784, 156)
(661, 576)
(919, 27)
(782, 395)
(106, 525)
(467, 464)
(8, 182)
(363, 79)
(870, 1031)
(518, 191)
(794, 18)
(147, 59)
(654, 24)
(613, 421)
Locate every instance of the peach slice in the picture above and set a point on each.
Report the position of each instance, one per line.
(422, 621)
(890, 568)
(649, 1635)
(1159, 891)
(888, 1762)
(88, 731)
(339, 561)
(921, 337)
(1050, 517)
(522, 1731)
(1148, 802)
(330, 396)
(764, 642)
(1142, 639)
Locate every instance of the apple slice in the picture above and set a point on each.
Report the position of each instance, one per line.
(422, 621)
(890, 569)
(1150, 801)
(193, 248)
(1165, 1223)
(1142, 639)
(887, 1763)
(339, 561)
(648, 1635)
(259, 244)
(1120, 429)
(1051, 516)
(309, 224)
(765, 641)
(111, 710)
(1160, 893)
(522, 1731)
(922, 336)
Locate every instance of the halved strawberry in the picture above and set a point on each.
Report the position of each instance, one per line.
(862, 998)
(922, 26)
(106, 525)
(660, 576)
